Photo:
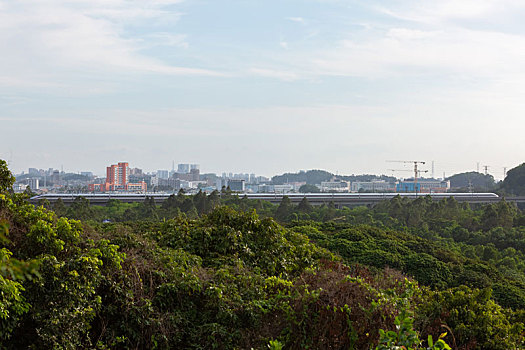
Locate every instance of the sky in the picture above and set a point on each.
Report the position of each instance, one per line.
(263, 87)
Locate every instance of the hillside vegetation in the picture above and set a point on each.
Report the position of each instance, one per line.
(212, 271)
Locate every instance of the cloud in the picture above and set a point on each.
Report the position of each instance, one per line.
(409, 52)
(296, 19)
(439, 12)
(50, 41)
(272, 73)
(164, 39)
(441, 39)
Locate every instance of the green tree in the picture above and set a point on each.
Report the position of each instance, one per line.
(308, 188)
(6, 178)
(477, 321)
(200, 202)
(514, 183)
(80, 209)
(472, 181)
(310, 177)
(305, 206)
(59, 207)
(29, 193)
(285, 208)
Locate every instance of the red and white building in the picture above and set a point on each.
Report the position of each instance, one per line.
(117, 179)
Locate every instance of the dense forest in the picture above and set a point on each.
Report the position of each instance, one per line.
(220, 271)
(312, 177)
(472, 182)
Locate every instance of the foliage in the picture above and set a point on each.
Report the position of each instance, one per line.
(405, 337)
(309, 188)
(477, 321)
(344, 308)
(311, 177)
(6, 178)
(216, 271)
(514, 183)
(472, 181)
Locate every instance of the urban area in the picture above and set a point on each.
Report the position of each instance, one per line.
(122, 178)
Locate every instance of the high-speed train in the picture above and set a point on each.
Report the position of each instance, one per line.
(314, 198)
(372, 197)
(388, 195)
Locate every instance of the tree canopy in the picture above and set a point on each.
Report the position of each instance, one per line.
(475, 181)
(6, 178)
(514, 183)
(311, 177)
(217, 271)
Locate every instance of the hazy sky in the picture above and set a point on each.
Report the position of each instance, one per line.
(263, 86)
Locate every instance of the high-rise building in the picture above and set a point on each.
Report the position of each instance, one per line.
(183, 168)
(55, 177)
(195, 174)
(117, 175)
(33, 183)
(117, 179)
(236, 185)
(135, 171)
(163, 174)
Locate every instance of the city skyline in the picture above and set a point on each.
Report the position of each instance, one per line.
(265, 87)
(404, 171)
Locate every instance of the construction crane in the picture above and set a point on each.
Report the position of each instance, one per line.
(416, 171)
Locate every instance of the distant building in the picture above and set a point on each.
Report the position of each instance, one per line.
(372, 186)
(197, 184)
(19, 187)
(266, 188)
(261, 179)
(137, 187)
(183, 168)
(135, 171)
(284, 188)
(117, 175)
(423, 186)
(86, 173)
(117, 179)
(33, 171)
(55, 177)
(335, 186)
(163, 174)
(236, 185)
(252, 188)
(195, 174)
(33, 183)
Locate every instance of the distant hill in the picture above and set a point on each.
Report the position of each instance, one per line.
(313, 177)
(472, 180)
(514, 183)
(367, 177)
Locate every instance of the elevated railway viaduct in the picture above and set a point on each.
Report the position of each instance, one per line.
(339, 199)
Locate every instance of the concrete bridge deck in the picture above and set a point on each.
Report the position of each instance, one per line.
(339, 199)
